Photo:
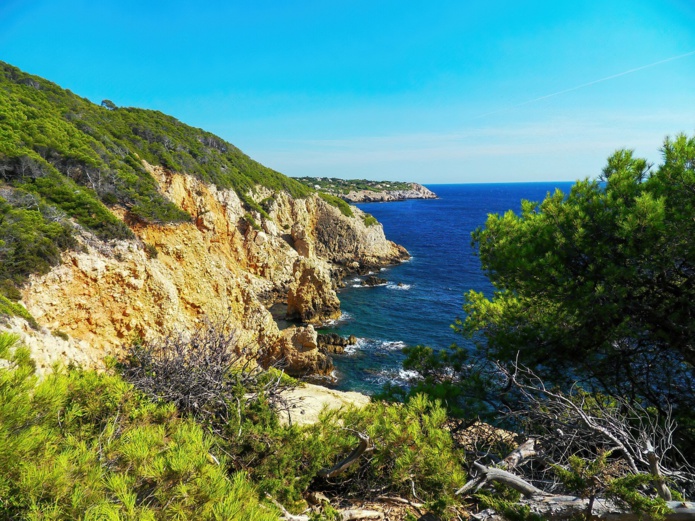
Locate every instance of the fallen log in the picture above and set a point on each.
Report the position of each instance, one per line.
(556, 508)
(345, 515)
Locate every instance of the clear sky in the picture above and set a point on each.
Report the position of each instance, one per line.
(432, 91)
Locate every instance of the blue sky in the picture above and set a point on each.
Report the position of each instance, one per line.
(428, 91)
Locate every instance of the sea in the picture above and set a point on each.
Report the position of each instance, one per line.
(423, 296)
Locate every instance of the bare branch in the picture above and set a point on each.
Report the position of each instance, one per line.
(352, 458)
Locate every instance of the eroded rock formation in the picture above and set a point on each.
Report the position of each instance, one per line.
(228, 263)
(311, 297)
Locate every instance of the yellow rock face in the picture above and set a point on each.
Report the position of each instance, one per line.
(218, 266)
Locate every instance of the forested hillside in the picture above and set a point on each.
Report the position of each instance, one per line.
(62, 156)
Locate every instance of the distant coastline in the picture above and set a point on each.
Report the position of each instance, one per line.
(365, 191)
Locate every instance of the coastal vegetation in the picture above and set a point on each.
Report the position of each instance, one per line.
(586, 343)
(593, 287)
(581, 361)
(336, 186)
(344, 207)
(64, 159)
(86, 445)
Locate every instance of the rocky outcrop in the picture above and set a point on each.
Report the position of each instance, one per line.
(351, 244)
(311, 297)
(373, 280)
(334, 343)
(300, 354)
(369, 196)
(306, 403)
(229, 264)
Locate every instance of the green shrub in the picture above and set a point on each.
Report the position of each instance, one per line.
(9, 308)
(249, 219)
(369, 220)
(60, 334)
(344, 207)
(82, 445)
(411, 452)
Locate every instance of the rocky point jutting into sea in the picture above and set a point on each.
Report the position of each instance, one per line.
(219, 266)
(416, 191)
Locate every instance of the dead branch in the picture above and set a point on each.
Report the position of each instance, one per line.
(400, 500)
(659, 484)
(486, 474)
(354, 515)
(524, 451)
(352, 458)
(566, 424)
(345, 515)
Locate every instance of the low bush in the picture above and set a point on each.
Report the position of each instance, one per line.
(201, 374)
(341, 205)
(369, 220)
(83, 445)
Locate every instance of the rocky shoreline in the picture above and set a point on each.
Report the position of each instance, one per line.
(416, 191)
(230, 264)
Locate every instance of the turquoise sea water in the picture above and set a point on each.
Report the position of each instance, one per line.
(423, 296)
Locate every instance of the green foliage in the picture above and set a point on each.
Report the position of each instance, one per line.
(598, 283)
(413, 450)
(344, 207)
(60, 334)
(369, 220)
(335, 186)
(102, 146)
(504, 501)
(590, 478)
(9, 308)
(625, 490)
(594, 287)
(62, 156)
(32, 235)
(82, 445)
(584, 478)
(249, 219)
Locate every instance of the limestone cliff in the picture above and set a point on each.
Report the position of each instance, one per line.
(229, 262)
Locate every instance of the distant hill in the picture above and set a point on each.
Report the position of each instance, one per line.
(364, 190)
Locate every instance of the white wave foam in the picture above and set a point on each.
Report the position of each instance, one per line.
(395, 345)
(370, 344)
(344, 317)
(399, 286)
(394, 376)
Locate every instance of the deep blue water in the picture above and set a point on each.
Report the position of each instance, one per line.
(437, 233)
